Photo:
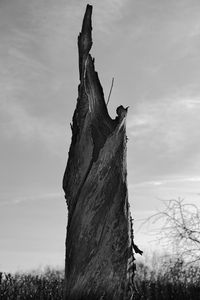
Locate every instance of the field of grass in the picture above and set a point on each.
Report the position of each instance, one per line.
(159, 279)
(167, 279)
(47, 285)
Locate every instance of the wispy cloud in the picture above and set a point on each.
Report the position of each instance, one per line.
(171, 123)
(107, 13)
(163, 182)
(38, 197)
(20, 125)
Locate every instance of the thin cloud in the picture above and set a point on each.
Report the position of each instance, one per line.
(108, 12)
(32, 63)
(20, 125)
(171, 123)
(165, 182)
(40, 197)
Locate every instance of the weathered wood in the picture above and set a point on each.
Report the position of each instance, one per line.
(98, 242)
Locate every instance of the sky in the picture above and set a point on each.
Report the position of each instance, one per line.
(151, 48)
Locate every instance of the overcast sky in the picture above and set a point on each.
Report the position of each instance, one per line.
(151, 48)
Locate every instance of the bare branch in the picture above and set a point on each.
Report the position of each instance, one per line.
(180, 227)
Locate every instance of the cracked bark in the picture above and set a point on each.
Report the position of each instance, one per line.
(98, 231)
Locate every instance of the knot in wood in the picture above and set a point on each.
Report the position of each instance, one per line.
(121, 111)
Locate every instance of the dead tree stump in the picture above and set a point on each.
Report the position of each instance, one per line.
(98, 242)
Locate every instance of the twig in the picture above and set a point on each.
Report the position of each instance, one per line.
(110, 91)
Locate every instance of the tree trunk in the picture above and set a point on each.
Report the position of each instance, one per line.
(98, 242)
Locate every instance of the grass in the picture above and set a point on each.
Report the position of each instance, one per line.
(32, 286)
(166, 279)
(160, 278)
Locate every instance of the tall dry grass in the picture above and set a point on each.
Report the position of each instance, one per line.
(159, 278)
(167, 278)
(34, 286)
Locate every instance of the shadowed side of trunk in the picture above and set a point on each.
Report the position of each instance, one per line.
(98, 232)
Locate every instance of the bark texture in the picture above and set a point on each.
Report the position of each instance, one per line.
(98, 238)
